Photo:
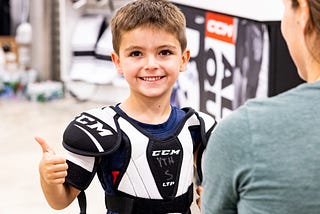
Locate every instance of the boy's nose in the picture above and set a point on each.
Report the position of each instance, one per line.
(151, 63)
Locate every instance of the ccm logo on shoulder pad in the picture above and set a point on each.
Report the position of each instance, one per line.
(165, 152)
(93, 124)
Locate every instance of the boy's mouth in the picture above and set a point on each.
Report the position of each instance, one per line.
(151, 79)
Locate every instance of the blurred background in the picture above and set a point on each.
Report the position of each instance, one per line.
(55, 63)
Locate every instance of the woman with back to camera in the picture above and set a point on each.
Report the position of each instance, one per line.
(265, 156)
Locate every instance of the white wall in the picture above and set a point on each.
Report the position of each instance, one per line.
(260, 10)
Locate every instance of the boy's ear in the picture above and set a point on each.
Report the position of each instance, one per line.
(185, 60)
(116, 61)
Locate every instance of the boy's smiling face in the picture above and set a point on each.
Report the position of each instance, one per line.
(150, 60)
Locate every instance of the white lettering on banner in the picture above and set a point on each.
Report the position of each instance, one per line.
(213, 63)
(94, 125)
(220, 28)
(165, 152)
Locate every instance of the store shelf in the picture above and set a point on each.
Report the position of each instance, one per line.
(86, 75)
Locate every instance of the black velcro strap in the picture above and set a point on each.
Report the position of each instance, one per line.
(119, 204)
(127, 205)
(82, 202)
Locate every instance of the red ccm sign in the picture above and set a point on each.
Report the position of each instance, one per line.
(220, 27)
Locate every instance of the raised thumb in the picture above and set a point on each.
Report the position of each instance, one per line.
(45, 147)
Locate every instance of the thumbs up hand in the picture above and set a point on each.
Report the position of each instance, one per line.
(52, 167)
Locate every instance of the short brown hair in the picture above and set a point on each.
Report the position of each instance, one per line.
(158, 14)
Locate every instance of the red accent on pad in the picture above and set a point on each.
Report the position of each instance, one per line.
(115, 176)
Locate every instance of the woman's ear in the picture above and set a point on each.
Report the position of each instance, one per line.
(303, 3)
(304, 12)
(116, 61)
(185, 59)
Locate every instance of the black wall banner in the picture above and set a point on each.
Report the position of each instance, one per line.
(230, 62)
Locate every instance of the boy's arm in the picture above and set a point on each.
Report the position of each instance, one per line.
(53, 170)
(59, 196)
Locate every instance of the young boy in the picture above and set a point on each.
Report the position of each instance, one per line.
(142, 149)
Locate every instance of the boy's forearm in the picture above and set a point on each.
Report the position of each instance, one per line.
(58, 196)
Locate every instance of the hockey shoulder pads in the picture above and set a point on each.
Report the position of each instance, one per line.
(206, 126)
(204, 123)
(93, 133)
(207, 123)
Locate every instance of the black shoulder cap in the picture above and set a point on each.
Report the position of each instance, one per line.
(93, 133)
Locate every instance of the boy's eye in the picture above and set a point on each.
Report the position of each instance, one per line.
(166, 52)
(135, 53)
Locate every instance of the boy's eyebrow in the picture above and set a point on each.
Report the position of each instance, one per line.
(168, 46)
(135, 47)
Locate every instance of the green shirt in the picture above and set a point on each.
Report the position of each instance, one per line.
(265, 157)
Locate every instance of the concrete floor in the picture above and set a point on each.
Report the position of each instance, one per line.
(20, 122)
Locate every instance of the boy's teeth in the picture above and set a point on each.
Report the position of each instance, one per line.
(151, 78)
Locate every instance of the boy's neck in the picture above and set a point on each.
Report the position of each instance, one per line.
(150, 112)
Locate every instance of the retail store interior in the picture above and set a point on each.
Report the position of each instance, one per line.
(34, 98)
(55, 63)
